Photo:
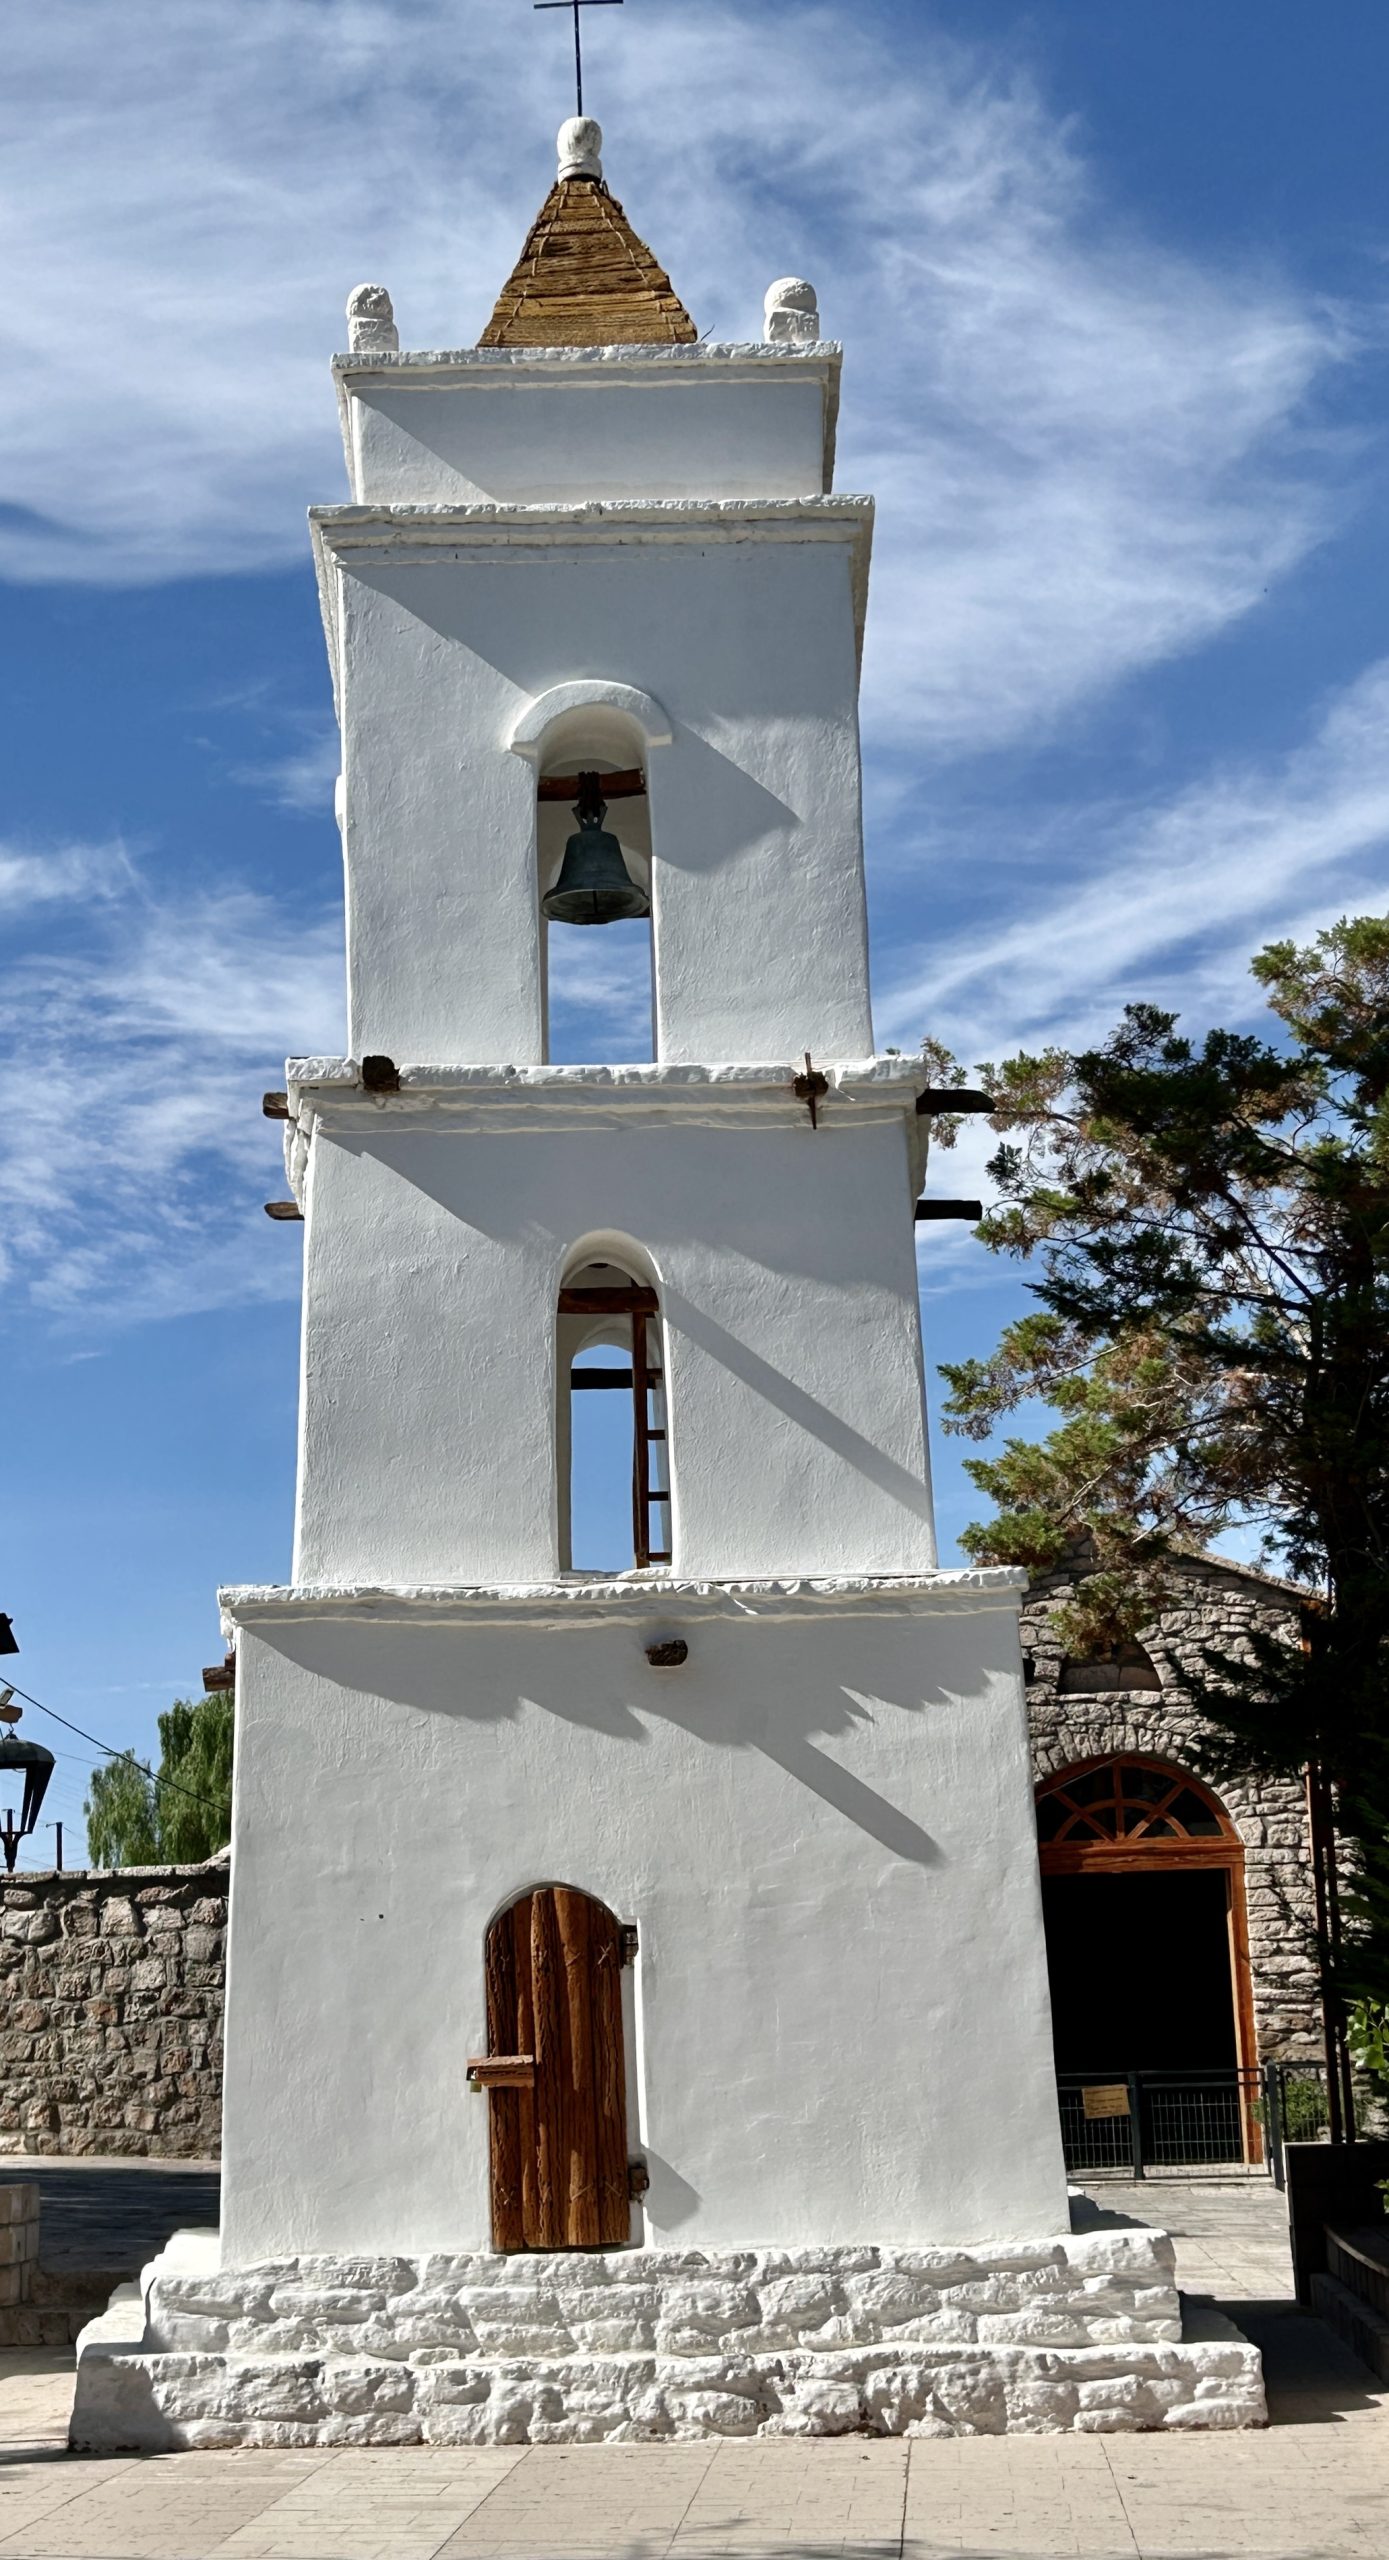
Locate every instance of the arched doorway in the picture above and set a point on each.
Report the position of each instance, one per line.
(1147, 1948)
(555, 2074)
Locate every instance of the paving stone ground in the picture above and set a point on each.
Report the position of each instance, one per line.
(1314, 2486)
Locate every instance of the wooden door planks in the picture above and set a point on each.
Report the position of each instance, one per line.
(577, 2109)
(558, 2151)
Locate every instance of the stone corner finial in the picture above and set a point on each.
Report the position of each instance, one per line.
(792, 313)
(579, 144)
(370, 319)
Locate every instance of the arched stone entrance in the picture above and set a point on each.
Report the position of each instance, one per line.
(1147, 1936)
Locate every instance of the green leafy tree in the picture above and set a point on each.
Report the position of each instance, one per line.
(177, 1813)
(1211, 1225)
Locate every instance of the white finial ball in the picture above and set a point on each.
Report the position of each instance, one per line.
(792, 312)
(580, 147)
(371, 318)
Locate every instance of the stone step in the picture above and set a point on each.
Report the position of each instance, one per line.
(1365, 2330)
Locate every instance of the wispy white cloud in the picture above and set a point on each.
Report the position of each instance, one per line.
(1167, 901)
(133, 1156)
(301, 779)
(32, 879)
(1083, 443)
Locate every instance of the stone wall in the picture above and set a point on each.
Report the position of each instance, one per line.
(1219, 1605)
(111, 2011)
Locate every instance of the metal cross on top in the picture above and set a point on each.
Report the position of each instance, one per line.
(576, 6)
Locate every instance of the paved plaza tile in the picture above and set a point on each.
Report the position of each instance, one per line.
(1314, 2486)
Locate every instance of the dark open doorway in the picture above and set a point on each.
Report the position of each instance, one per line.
(1140, 1971)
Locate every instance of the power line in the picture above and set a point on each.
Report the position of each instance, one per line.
(112, 1753)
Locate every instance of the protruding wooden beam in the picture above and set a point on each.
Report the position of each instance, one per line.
(501, 2070)
(614, 786)
(380, 1075)
(962, 1097)
(275, 1105)
(971, 1209)
(221, 1675)
(608, 1302)
(283, 1209)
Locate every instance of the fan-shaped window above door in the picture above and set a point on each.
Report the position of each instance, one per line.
(1128, 1801)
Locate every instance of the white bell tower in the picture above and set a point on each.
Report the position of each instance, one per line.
(620, 554)
(637, 2008)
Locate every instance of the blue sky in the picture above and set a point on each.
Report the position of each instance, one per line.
(1113, 289)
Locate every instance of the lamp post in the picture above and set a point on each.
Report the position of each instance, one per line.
(37, 1765)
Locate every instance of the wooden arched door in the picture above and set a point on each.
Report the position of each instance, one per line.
(558, 2128)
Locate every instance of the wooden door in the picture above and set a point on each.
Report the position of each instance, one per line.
(558, 2147)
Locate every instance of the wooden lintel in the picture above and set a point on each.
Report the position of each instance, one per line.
(630, 785)
(630, 1301)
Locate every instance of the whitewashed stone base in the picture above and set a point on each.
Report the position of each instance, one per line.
(1083, 2332)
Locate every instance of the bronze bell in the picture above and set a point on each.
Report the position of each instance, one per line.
(594, 884)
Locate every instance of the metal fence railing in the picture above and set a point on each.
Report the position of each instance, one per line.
(1182, 2122)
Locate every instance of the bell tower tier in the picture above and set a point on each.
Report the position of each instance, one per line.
(708, 643)
(677, 1926)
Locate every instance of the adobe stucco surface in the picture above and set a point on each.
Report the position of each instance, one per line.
(111, 1982)
(1218, 1607)
(111, 2011)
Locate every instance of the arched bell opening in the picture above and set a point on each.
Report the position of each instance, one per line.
(1147, 1940)
(593, 854)
(611, 1422)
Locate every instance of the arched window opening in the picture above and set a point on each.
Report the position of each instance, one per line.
(1123, 1666)
(614, 1476)
(555, 2073)
(593, 836)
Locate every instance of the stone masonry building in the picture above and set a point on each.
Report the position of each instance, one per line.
(1179, 1916)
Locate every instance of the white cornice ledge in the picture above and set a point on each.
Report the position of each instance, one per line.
(347, 526)
(674, 1077)
(571, 1601)
(567, 360)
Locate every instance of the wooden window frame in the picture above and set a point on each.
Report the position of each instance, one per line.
(638, 1307)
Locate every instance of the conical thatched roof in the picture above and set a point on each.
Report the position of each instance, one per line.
(584, 279)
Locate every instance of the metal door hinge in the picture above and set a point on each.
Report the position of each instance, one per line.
(627, 1941)
(638, 2178)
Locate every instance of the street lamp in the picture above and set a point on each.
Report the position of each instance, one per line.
(37, 1765)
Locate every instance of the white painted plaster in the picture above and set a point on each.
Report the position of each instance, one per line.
(371, 320)
(448, 631)
(537, 424)
(822, 1826)
(585, 699)
(791, 312)
(579, 148)
(787, 1270)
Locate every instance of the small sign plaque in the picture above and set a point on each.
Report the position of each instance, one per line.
(1105, 2098)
